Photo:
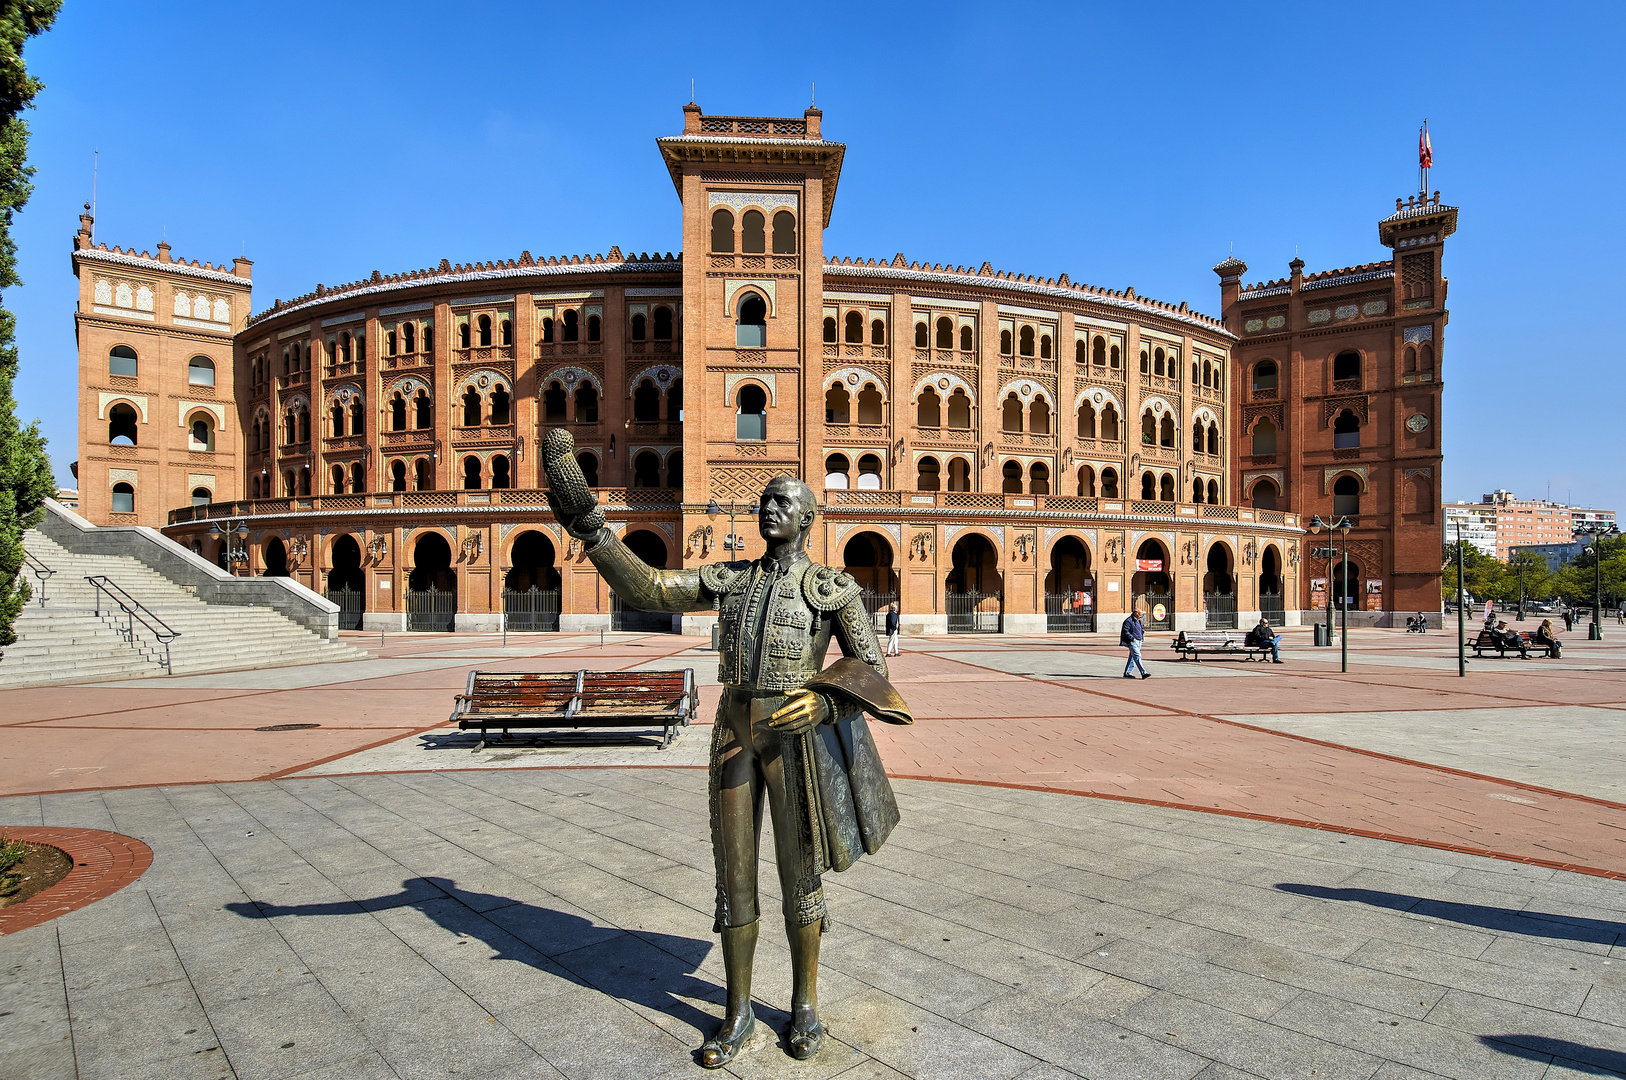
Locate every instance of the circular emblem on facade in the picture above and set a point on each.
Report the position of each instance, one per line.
(1026, 389)
(1099, 397)
(852, 377)
(1417, 423)
(1159, 612)
(942, 384)
(485, 381)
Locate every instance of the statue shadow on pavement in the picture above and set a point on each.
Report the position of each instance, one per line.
(1507, 920)
(654, 970)
(1582, 1059)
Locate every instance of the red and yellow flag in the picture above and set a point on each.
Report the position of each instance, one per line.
(1425, 149)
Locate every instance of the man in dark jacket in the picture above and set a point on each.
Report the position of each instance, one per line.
(1263, 637)
(1131, 637)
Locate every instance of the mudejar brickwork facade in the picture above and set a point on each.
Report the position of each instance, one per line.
(996, 451)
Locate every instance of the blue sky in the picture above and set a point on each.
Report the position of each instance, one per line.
(1123, 144)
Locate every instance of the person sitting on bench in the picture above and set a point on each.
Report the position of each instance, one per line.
(1263, 637)
(1545, 637)
(1510, 639)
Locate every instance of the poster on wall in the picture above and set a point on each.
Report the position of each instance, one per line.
(1149, 565)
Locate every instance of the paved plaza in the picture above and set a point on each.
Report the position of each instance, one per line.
(1280, 871)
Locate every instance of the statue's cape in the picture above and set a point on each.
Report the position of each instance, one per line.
(854, 799)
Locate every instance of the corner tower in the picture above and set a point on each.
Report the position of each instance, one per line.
(757, 194)
(157, 406)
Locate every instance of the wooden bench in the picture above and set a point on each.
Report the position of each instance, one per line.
(565, 699)
(1191, 644)
(1487, 640)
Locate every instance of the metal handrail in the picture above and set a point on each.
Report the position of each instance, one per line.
(134, 611)
(41, 571)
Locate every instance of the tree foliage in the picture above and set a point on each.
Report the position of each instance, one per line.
(1487, 579)
(25, 472)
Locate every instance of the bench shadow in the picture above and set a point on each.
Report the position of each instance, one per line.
(648, 968)
(1574, 1057)
(1511, 920)
(470, 740)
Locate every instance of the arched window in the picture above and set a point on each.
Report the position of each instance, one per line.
(1346, 496)
(830, 334)
(586, 403)
(674, 470)
(1194, 373)
(121, 360)
(290, 486)
(572, 325)
(1346, 366)
(929, 409)
(1346, 430)
(200, 371)
(471, 407)
(646, 404)
(959, 474)
(784, 233)
(1421, 494)
(1038, 478)
(547, 331)
(501, 407)
(1264, 375)
(123, 498)
(1086, 480)
(121, 425)
(854, 332)
(1005, 343)
(1197, 437)
(945, 333)
(1264, 438)
(1166, 491)
(1011, 478)
(1109, 483)
(674, 403)
(1148, 428)
(638, 326)
(505, 333)
(877, 332)
(305, 480)
(1213, 440)
(1081, 352)
(346, 354)
(1425, 358)
(870, 405)
(336, 420)
(303, 419)
(1411, 360)
(1213, 491)
(1145, 362)
(358, 477)
(928, 475)
(1148, 486)
(752, 241)
(553, 403)
(1116, 362)
(722, 230)
(663, 323)
(1039, 417)
(1109, 423)
(837, 405)
(1265, 495)
(392, 343)
(409, 337)
(398, 475)
(1027, 341)
(337, 480)
(202, 436)
(1086, 421)
(923, 336)
(463, 335)
(471, 473)
(959, 410)
(1098, 352)
(751, 419)
(869, 473)
(423, 410)
(836, 467)
(967, 339)
(1044, 347)
(1157, 363)
(751, 331)
(1197, 490)
(646, 470)
(1012, 413)
(423, 479)
(592, 328)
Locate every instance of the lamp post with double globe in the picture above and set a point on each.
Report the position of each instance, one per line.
(1594, 534)
(1342, 527)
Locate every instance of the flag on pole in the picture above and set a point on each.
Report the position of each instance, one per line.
(1425, 148)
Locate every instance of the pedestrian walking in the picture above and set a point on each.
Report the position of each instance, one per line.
(1131, 636)
(1569, 619)
(892, 625)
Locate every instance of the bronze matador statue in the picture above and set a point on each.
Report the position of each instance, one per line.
(785, 728)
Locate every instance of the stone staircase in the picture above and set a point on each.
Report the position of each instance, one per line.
(64, 641)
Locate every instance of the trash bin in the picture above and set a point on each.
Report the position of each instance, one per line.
(1322, 635)
(716, 637)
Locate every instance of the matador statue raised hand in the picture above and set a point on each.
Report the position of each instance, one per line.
(787, 727)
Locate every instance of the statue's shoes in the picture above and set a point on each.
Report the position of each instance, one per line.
(719, 1051)
(805, 1042)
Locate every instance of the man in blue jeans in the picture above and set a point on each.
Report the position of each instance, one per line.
(1263, 637)
(1131, 637)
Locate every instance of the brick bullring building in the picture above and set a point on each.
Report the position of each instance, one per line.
(998, 452)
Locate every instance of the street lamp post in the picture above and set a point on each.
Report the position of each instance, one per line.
(731, 542)
(1462, 638)
(234, 555)
(1521, 590)
(1342, 526)
(1594, 534)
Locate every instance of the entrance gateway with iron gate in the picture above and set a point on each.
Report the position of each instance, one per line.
(974, 613)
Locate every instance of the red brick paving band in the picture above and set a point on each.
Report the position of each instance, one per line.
(103, 863)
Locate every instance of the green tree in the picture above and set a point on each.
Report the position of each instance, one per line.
(25, 472)
(1483, 577)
